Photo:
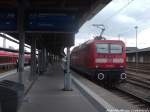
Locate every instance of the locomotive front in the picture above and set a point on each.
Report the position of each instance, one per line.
(110, 61)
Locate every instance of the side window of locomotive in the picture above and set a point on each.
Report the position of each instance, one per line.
(102, 48)
(116, 49)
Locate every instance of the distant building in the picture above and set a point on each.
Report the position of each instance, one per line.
(143, 55)
(128, 49)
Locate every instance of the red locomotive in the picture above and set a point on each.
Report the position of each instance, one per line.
(104, 60)
(9, 59)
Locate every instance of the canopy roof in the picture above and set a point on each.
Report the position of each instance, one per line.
(53, 23)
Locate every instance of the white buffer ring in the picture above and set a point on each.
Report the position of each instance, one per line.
(100, 76)
(123, 76)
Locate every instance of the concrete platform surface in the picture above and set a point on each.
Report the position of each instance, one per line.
(13, 76)
(47, 95)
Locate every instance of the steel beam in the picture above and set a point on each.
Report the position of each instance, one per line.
(21, 42)
(40, 61)
(45, 59)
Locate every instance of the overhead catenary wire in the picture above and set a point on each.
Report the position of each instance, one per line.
(121, 9)
(106, 21)
(132, 28)
(116, 13)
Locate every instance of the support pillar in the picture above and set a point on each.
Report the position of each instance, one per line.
(21, 43)
(33, 58)
(21, 58)
(67, 80)
(40, 61)
(45, 59)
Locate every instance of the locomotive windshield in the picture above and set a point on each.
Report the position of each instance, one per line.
(102, 48)
(114, 48)
(109, 48)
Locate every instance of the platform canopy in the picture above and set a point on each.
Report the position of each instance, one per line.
(53, 23)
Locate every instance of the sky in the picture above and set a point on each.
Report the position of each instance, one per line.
(119, 18)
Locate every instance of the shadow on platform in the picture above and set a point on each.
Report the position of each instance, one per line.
(47, 95)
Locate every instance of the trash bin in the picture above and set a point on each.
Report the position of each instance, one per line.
(11, 95)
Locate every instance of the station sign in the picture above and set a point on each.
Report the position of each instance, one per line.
(51, 22)
(8, 20)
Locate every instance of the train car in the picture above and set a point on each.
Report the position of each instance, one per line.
(104, 60)
(9, 59)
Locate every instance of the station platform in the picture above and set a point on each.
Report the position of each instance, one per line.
(47, 95)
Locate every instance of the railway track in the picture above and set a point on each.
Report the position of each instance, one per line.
(135, 90)
(139, 77)
(5, 70)
(129, 93)
(134, 94)
(139, 66)
(137, 83)
(136, 101)
(138, 98)
(138, 70)
(138, 80)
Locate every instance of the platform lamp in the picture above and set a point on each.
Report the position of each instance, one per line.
(136, 55)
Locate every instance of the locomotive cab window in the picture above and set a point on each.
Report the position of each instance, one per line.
(116, 49)
(102, 48)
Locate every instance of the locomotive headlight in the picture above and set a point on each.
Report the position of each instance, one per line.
(101, 60)
(96, 66)
(118, 60)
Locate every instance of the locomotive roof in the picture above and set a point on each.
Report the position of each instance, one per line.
(94, 41)
(109, 41)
